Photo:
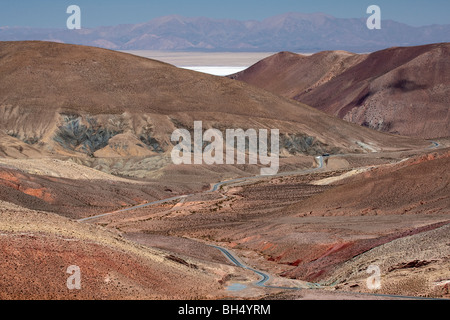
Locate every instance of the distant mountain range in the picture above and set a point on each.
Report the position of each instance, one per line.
(292, 31)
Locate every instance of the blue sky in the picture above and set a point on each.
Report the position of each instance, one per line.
(52, 13)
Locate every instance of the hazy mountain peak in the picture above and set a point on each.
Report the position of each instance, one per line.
(293, 31)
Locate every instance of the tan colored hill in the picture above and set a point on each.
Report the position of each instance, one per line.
(416, 186)
(37, 248)
(289, 74)
(415, 265)
(73, 100)
(76, 197)
(298, 228)
(64, 107)
(13, 148)
(401, 90)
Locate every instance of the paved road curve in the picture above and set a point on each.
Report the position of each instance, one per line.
(266, 277)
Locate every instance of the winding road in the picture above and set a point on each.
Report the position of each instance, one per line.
(218, 185)
(264, 277)
(214, 188)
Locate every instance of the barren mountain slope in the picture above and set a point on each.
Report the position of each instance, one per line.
(416, 265)
(401, 90)
(417, 186)
(89, 101)
(299, 228)
(77, 197)
(289, 74)
(37, 248)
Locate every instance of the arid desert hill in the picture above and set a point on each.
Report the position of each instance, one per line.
(401, 90)
(38, 247)
(68, 99)
(416, 186)
(85, 155)
(288, 73)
